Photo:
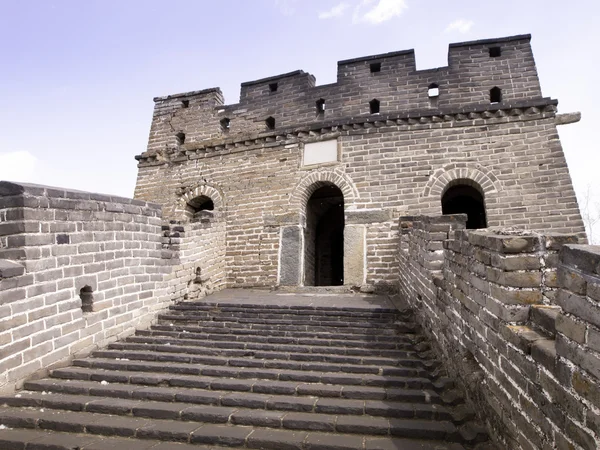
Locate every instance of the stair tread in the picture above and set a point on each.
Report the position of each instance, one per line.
(198, 354)
(270, 387)
(51, 440)
(259, 336)
(173, 400)
(158, 416)
(159, 369)
(262, 346)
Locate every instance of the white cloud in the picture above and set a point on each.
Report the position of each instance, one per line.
(287, 7)
(18, 166)
(375, 12)
(460, 25)
(336, 11)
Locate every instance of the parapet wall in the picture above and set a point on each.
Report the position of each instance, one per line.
(199, 256)
(391, 79)
(516, 316)
(79, 270)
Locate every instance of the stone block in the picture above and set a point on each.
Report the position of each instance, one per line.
(578, 355)
(515, 262)
(367, 216)
(587, 387)
(571, 281)
(573, 329)
(514, 296)
(579, 306)
(522, 279)
(10, 269)
(586, 258)
(354, 255)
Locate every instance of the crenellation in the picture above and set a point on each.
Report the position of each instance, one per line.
(396, 181)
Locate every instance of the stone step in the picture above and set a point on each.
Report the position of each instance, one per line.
(291, 354)
(262, 360)
(291, 309)
(285, 335)
(38, 439)
(229, 379)
(279, 325)
(329, 316)
(210, 345)
(196, 426)
(145, 386)
(224, 375)
(278, 406)
(25, 439)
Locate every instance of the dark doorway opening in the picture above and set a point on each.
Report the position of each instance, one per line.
(324, 248)
(465, 199)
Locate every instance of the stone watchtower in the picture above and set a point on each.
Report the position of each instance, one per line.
(299, 184)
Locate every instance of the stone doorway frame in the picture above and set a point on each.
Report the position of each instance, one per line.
(291, 238)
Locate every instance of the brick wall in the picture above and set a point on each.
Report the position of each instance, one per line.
(479, 294)
(398, 86)
(396, 167)
(198, 252)
(56, 242)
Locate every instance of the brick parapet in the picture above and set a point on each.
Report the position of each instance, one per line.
(199, 264)
(78, 270)
(291, 98)
(532, 391)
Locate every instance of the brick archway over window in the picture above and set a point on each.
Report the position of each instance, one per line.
(442, 178)
(318, 179)
(203, 190)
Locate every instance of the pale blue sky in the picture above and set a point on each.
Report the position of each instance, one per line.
(78, 77)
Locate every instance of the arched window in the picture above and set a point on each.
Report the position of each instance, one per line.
(464, 198)
(199, 208)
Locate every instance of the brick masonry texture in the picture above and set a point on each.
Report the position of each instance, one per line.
(478, 293)
(512, 309)
(64, 241)
(397, 162)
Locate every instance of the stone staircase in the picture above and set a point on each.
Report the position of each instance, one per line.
(215, 375)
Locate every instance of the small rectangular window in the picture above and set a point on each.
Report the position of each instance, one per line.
(495, 52)
(375, 67)
(273, 87)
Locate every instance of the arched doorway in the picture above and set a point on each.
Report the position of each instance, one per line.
(463, 198)
(324, 238)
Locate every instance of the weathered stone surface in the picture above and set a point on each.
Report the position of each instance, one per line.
(291, 245)
(567, 118)
(354, 255)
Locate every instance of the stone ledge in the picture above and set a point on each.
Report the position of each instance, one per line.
(11, 189)
(10, 269)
